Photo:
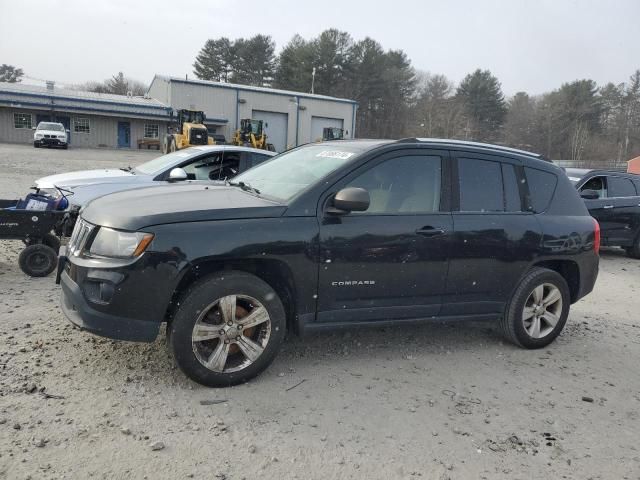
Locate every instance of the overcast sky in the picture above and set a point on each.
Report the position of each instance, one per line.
(529, 45)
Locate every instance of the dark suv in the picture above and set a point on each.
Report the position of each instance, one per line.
(331, 235)
(613, 198)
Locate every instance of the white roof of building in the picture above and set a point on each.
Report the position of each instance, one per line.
(33, 96)
(235, 86)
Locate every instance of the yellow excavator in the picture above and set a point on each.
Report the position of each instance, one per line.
(189, 131)
(251, 134)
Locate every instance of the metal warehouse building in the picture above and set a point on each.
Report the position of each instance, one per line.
(93, 119)
(291, 118)
(103, 120)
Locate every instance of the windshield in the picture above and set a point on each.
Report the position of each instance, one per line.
(50, 126)
(288, 174)
(160, 164)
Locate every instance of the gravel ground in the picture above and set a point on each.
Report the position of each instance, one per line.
(434, 401)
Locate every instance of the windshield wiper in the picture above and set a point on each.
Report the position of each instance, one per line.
(244, 186)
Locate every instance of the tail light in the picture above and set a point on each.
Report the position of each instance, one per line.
(596, 237)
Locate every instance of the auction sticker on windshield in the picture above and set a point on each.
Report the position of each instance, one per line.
(334, 154)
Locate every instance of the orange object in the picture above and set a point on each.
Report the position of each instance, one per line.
(633, 165)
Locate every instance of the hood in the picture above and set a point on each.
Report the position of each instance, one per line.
(84, 177)
(142, 207)
(52, 132)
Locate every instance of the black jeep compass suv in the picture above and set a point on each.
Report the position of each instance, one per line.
(330, 235)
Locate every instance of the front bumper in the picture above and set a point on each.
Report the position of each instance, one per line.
(54, 142)
(85, 316)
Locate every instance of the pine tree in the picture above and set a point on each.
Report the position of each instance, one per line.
(481, 96)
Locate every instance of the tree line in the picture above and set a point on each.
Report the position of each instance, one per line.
(580, 120)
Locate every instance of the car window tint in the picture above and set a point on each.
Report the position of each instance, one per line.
(597, 184)
(480, 185)
(511, 190)
(403, 185)
(214, 167)
(620, 187)
(542, 185)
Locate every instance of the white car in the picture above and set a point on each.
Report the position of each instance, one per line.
(50, 134)
(203, 163)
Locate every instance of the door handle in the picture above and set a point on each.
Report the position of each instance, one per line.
(608, 206)
(430, 231)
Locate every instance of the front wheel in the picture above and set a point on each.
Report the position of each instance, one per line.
(538, 309)
(38, 260)
(228, 329)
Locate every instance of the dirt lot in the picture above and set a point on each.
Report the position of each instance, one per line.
(431, 402)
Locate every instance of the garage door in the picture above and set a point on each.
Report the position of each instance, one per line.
(320, 123)
(276, 127)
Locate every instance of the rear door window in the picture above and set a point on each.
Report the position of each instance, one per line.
(542, 186)
(620, 187)
(481, 187)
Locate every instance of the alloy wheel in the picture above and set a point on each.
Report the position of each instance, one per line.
(542, 310)
(231, 333)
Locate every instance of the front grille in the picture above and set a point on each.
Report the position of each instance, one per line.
(46, 135)
(198, 136)
(79, 237)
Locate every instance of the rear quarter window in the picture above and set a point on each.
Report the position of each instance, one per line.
(542, 186)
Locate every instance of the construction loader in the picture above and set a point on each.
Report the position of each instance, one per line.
(332, 133)
(251, 134)
(188, 131)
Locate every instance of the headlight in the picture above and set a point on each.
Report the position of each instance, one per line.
(39, 135)
(119, 244)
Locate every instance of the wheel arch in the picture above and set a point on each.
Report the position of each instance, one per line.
(275, 273)
(568, 269)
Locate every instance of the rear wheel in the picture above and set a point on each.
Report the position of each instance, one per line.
(538, 310)
(36, 145)
(634, 250)
(227, 329)
(38, 260)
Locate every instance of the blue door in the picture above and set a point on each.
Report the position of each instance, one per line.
(124, 135)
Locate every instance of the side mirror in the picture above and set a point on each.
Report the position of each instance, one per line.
(590, 194)
(350, 199)
(177, 175)
(33, 128)
(68, 131)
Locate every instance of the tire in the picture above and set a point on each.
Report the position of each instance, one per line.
(550, 318)
(271, 147)
(201, 309)
(634, 250)
(35, 145)
(50, 240)
(38, 260)
(64, 147)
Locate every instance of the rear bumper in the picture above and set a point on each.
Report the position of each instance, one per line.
(588, 275)
(83, 316)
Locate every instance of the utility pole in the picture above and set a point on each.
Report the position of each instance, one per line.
(313, 79)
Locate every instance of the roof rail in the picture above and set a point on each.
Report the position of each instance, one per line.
(471, 144)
